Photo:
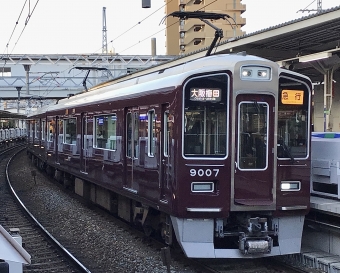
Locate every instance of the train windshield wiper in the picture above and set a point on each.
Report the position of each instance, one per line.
(286, 150)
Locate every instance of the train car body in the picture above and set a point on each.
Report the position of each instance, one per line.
(11, 135)
(325, 156)
(216, 150)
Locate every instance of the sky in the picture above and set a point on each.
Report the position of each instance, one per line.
(75, 26)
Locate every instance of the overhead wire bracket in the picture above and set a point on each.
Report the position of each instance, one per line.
(204, 17)
(90, 68)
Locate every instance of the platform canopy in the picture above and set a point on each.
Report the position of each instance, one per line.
(10, 249)
(10, 115)
(308, 45)
(290, 44)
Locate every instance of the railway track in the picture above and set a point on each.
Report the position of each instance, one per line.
(42, 251)
(263, 265)
(46, 255)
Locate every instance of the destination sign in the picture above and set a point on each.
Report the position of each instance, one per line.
(205, 94)
(292, 97)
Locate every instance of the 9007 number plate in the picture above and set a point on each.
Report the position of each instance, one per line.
(206, 172)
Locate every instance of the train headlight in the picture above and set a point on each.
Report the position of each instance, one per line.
(255, 73)
(262, 73)
(202, 186)
(290, 185)
(246, 73)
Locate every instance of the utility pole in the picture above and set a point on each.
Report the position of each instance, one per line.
(104, 45)
(146, 4)
(18, 89)
(318, 9)
(27, 68)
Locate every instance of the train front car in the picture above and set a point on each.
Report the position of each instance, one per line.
(244, 164)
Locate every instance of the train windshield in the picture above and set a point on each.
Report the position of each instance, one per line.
(205, 117)
(293, 120)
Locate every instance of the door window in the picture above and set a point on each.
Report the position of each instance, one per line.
(252, 135)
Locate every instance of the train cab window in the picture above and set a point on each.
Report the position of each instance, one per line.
(106, 132)
(205, 116)
(70, 131)
(293, 120)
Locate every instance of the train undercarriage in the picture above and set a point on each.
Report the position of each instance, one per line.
(241, 235)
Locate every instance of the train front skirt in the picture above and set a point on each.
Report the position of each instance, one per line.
(196, 237)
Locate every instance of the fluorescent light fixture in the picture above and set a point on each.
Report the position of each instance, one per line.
(314, 57)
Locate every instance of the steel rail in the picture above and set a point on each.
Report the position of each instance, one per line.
(42, 228)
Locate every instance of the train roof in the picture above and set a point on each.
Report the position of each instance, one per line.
(171, 76)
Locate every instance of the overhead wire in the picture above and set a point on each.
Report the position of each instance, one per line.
(26, 22)
(138, 23)
(6, 48)
(97, 64)
(305, 9)
(16, 24)
(121, 36)
(125, 32)
(165, 27)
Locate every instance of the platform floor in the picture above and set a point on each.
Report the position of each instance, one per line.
(324, 204)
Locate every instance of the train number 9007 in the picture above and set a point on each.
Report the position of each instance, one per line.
(207, 172)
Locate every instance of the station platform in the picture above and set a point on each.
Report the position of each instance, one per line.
(325, 204)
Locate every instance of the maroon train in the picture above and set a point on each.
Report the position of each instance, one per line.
(215, 151)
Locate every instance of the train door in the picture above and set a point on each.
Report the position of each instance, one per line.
(56, 140)
(59, 139)
(165, 154)
(132, 147)
(254, 159)
(84, 144)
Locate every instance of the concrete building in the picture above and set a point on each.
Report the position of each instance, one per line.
(185, 36)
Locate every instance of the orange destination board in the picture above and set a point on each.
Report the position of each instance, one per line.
(292, 96)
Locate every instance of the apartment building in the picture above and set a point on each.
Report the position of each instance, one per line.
(185, 36)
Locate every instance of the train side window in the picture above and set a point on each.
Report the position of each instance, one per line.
(151, 133)
(37, 129)
(106, 132)
(61, 131)
(43, 130)
(132, 126)
(205, 116)
(168, 124)
(135, 134)
(129, 134)
(51, 130)
(31, 130)
(70, 131)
